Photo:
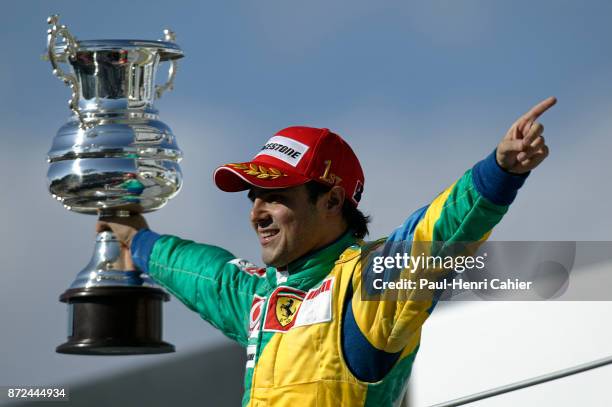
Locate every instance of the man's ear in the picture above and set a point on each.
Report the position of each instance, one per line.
(335, 200)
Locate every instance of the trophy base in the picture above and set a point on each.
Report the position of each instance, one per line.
(114, 321)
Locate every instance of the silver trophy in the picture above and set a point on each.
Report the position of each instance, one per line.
(113, 157)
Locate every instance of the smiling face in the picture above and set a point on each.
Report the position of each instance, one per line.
(288, 224)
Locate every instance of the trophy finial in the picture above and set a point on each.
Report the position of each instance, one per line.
(169, 35)
(53, 19)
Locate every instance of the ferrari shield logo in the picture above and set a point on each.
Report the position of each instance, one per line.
(282, 309)
(286, 308)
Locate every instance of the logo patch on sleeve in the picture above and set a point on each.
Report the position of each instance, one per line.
(248, 267)
(285, 149)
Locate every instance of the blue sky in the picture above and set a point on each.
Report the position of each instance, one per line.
(422, 90)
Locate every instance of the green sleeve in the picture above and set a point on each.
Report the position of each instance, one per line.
(208, 280)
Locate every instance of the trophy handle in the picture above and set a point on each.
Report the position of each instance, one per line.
(169, 36)
(55, 31)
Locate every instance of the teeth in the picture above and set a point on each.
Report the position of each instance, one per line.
(268, 234)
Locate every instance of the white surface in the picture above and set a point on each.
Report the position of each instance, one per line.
(475, 346)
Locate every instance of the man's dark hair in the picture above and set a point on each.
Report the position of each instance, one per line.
(355, 219)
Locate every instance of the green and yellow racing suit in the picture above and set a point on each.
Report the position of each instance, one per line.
(310, 339)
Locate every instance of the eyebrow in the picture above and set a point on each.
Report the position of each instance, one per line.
(265, 192)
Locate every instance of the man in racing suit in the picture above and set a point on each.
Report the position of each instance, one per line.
(311, 340)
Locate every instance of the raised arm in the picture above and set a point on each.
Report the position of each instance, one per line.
(207, 279)
(379, 333)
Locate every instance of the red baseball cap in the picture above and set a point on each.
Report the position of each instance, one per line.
(295, 156)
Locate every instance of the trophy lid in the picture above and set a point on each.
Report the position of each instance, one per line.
(167, 50)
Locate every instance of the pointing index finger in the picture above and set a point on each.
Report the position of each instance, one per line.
(540, 108)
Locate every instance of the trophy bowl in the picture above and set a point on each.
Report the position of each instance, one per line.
(113, 157)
